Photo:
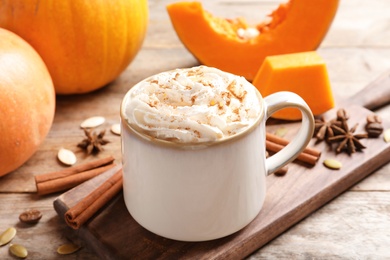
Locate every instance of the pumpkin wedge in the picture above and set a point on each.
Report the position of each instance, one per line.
(236, 47)
(303, 73)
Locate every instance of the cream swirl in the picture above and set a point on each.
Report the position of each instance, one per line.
(198, 104)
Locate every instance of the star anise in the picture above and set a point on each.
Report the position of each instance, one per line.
(94, 142)
(324, 129)
(342, 117)
(348, 140)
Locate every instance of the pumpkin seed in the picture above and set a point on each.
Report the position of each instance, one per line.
(18, 250)
(333, 164)
(31, 216)
(92, 122)
(7, 236)
(67, 249)
(248, 33)
(386, 135)
(116, 129)
(281, 131)
(66, 156)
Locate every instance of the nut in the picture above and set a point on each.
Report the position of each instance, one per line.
(281, 131)
(67, 249)
(7, 236)
(386, 135)
(373, 118)
(66, 156)
(281, 172)
(18, 250)
(374, 129)
(92, 122)
(31, 216)
(116, 129)
(333, 164)
(374, 126)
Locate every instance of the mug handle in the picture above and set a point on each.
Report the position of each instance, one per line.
(278, 101)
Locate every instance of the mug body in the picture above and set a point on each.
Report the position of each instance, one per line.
(193, 151)
(194, 193)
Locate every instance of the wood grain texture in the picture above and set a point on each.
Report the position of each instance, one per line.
(289, 199)
(356, 51)
(350, 227)
(41, 239)
(65, 131)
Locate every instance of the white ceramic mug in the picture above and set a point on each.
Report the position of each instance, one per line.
(198, 192)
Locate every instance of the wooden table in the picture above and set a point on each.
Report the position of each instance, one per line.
(353, 226)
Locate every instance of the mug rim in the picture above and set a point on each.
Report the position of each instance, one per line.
(186, 145)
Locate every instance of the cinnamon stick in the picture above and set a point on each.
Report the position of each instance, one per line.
(303, 157)
(70, 181)
(75, 169)
(76, 216)
(71, 177)
(278, 140)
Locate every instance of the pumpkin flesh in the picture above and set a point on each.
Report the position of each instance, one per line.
(303, 73)
(297, 26)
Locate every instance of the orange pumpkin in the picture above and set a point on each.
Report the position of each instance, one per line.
(85, 44)
(303, 73)
(234, 46)
(27, 101)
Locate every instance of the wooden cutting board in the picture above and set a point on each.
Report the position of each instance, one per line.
(113, 234)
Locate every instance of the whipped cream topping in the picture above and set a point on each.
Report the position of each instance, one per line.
(199, 104)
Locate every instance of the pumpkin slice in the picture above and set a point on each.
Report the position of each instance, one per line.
(302, 73)
(236, 47)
